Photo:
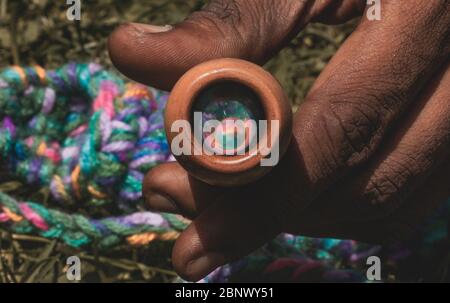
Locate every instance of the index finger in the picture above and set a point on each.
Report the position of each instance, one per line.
(372, 79)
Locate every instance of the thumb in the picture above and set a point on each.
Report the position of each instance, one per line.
(225, 231)
(247, 29)
(228, 223)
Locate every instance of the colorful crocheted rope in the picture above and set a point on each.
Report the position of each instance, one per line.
(89, 138)
(80, 131)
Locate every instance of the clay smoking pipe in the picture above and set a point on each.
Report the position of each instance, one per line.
(228, 122)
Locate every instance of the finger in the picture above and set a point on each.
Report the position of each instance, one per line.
(419, 146)
(367, 86)
(169, 188)
(230, 225)
(223, 232)
(222, 29)
(402, 224)
(248, 29)
(420, 207)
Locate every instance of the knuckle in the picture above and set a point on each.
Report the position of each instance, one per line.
(256, 26)
(388, 187)
(354, 119)
(228, 10)
(358, 124)
(224, 18)
(349, 130)
(380, 198)
(221, 15)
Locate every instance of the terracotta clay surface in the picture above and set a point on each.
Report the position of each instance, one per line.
(236, 169)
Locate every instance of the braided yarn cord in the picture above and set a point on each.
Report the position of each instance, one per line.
(89, 138)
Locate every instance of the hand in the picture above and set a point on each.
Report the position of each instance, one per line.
(370, 156)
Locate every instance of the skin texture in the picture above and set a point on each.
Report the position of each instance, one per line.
(370, 155)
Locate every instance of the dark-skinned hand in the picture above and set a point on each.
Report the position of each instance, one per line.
(370, 154)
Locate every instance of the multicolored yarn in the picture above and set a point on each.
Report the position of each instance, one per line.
(76, 230)
(81, 131)
(88, 138)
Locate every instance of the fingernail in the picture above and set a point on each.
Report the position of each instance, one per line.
(205, 264)
(152, 28)
(161, 202)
